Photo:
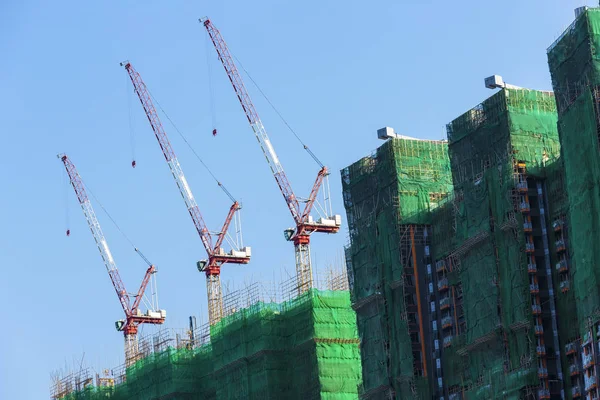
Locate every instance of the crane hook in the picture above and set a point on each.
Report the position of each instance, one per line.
(214, 132)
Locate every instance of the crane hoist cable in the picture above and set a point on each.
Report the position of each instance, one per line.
(211, 90)
(219, 183)
(304, 145)
(130, 121)
(135, 248)
(66, 183)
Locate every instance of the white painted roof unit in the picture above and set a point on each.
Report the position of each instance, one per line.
(494, 81)
(386, 133)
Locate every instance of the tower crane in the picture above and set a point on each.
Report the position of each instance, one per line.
(305, 223)
(133, 315)
(217, 256)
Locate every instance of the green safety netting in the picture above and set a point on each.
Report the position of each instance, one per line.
(305, 348)
(397, 186)
(574, 61)
(574, 58)
(575, 68)
(568, 327)
(384, 194)
(170, 374)
(578, 126)
(486, 240)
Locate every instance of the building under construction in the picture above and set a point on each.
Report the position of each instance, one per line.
(297, 342)
(473, 261)
(271, 344)
(471, 269)
(386, 197)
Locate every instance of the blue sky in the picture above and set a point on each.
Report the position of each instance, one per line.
(337, 71)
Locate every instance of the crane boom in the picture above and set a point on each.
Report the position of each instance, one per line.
(172, 161)
(305, 225)
(255, 122)
(97, 233)
(133, 318)
(216, 256)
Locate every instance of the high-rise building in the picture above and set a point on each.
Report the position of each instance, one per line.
(575, 70)
(388, 198)
(452, 256)
(493, 246)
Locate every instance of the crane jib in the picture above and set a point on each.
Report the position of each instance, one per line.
(328, 223)
(94, 225)
(182, 184)
(252, 116)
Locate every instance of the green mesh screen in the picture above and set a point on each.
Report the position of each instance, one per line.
(582, 170)
(487, 241)
(306, 348)
(574, 59)
(575, 70)
(384, 194)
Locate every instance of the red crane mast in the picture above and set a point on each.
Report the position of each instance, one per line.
(216, 255)
(133, 316)
(305, 225)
